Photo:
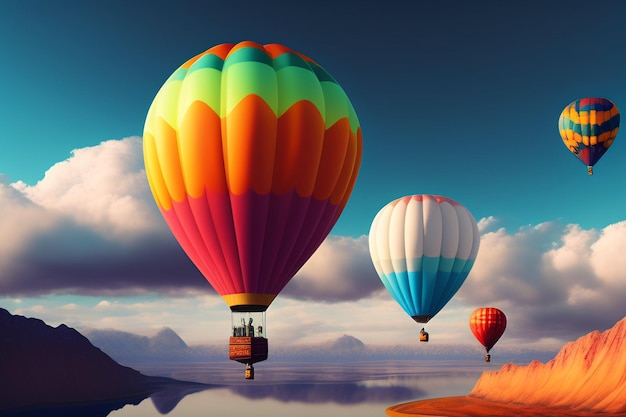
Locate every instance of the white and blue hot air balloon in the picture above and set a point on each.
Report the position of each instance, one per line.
(423, 247)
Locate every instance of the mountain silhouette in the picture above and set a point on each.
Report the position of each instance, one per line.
(347, 342)
(44, 366)
(167, 338)
(132, 349)
(166, 345)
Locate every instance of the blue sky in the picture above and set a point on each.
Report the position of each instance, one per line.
(455, 99)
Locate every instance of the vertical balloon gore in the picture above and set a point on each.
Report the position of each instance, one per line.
(588, 128)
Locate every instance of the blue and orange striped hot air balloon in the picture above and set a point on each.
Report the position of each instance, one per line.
(423, 247)
(588, 128)
(251, 152)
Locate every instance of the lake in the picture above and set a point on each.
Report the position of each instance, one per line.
(349, 389)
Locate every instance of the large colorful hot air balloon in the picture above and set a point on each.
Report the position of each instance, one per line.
(423, 247)
(251, 152)
(588, 128)
(488, 325)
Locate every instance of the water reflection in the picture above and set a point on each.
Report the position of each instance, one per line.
(340, 393)
(332, 389)
(165, 401)
(102, 409)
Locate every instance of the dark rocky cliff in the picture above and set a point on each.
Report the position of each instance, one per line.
(41, 366)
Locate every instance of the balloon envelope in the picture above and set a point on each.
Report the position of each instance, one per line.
(588, 128)
(488, 325)
(251, 152)
(423, 247)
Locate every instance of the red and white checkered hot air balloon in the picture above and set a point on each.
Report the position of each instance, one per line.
(488, 325)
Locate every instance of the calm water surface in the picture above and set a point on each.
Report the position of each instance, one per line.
(307, 389)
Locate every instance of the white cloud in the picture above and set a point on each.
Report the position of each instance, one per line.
(609, 256)
(341, 269)
(103, 305)
(486, 223)
(103, 187)
(20, 222)
(572, 257)
(38, 308)
(579, 296)
(555, 281)
(507, 266)
(90, 225)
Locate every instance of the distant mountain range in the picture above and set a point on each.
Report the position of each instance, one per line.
(166, 345)
(43, 366)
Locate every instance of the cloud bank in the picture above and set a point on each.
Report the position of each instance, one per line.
(552, 280)
(90, 227)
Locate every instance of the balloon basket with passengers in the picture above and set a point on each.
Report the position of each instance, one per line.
(248, 343)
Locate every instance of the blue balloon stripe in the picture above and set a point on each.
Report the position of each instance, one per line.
(428, 290)
(415, 282)
(430, 270)
(443, 276)
(416, 288)
(390, 281)
(429, 282)
(459, 271)
(455, 280)
(589, 129)
(402, 279)
(469, 264)
(459, 265)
